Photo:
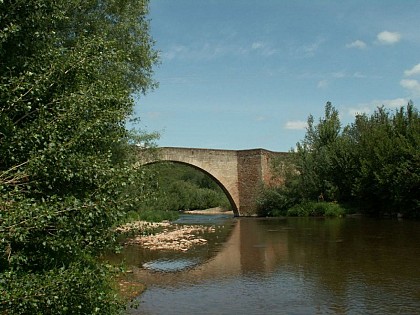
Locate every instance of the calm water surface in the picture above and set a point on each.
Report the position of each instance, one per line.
(286, 266)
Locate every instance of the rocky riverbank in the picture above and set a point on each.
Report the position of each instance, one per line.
(166, 236)
(179, 238)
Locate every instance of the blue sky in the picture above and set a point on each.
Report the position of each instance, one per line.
(241, 74)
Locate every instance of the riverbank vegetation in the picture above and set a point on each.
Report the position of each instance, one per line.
(68, 73)
(371, 166)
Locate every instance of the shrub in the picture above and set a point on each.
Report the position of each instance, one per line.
(304, 209)
(316, 209)
(334, 210)
(272, 203)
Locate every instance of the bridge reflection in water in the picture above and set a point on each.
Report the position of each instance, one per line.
(248, 250)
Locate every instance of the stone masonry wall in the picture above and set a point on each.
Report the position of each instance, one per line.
(249, 180)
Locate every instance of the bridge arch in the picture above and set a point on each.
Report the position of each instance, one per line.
(207, 172)
(239, 173)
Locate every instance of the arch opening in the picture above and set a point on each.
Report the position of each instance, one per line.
(213, 178)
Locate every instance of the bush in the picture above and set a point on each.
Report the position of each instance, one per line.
(316, 209)
(302, 210)
(272, 203)
(83, 287)
(334, 210)
(149, 215)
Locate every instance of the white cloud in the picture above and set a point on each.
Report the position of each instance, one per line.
(359, 75)
(360, 109)
(308, 50)
(412, 85)
(257, 45)
(263, 48)
(174, 52)
(357, 44)
(322, 84)
(295, 125)
(312, 48)
(328, 78)
(203, 51)
(388, 38)
(409, 84)
(413, 71)
(393, 103)
(339, 75)
(215, 49)
(368, 108)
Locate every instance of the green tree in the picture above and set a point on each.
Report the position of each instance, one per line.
(373, 163)
(387, 149)
(315, 162)
(68, 73)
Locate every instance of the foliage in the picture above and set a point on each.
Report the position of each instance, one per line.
(276, 199)
(333, 209)
(152, 215)
(373, 163)
(272, 202)
(316, 209)
(314, 163)
(68, 70)
(388, 175)
(79, 288)
(182, 187)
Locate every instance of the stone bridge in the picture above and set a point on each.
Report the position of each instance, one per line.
(240, 174)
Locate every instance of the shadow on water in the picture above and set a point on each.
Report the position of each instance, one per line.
(292, 266)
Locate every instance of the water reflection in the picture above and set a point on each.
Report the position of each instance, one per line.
(170, 265)
(294, 266)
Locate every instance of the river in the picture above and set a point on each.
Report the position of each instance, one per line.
(285, 266)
